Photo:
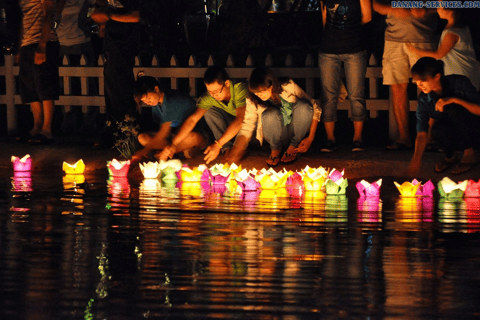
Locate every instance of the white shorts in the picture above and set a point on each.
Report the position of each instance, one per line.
(398, 60)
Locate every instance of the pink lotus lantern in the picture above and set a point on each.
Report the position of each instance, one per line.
(76, 168)
(118, 168)
(426, 189)
(220, 174)
(473, 189)
(369, 189)
(23, 164)
(246, 182)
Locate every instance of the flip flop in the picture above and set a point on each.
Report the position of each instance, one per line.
(443, 166)
(463, 167)
(289, 155)
(275, 161)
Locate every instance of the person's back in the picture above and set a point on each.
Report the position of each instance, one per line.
(461, 58)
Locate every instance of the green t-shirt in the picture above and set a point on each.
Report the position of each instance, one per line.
(238, 92)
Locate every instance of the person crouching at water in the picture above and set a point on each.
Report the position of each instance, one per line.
(170, 108)
(454, 105)
(282, 113)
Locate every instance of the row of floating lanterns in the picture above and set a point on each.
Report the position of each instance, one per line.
(309, 179)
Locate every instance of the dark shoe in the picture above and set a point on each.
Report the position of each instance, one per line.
(24, 137)
(397, 146)
(329, 146)
(289, 157)
(463, 167)
(40, 139)
(358, 146)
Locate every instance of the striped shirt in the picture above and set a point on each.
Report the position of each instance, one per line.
(32, 22)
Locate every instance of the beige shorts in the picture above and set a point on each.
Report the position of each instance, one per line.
(398, 60)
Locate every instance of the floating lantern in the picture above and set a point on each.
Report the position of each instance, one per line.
(451, 190)
(314, 179)
(336, 184)
(473, 189)
(118, 168)
(272, 180)
(150, 170)
(197, 174)
(77, 168)
(246, 182)
(426, 189)
(408, 189)
(369, 189)
(23, 164)
(169, 170)
(220, 173)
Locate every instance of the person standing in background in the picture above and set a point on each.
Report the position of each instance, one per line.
(75, 41)
(416, 26)
(38, 60)
(119, 21)
(344, 43)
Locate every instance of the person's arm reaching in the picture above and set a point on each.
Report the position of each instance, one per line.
(416, 161)
(183, 133)
(158, 142)
(212, 151)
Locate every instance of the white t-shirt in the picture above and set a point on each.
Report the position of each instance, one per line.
(461, 58)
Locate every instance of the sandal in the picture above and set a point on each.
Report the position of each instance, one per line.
(274, 161)
(463, 167)
(444, 165)
(289, 157)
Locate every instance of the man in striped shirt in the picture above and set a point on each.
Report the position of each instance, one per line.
(38, 60)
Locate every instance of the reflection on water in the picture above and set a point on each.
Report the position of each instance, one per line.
(92, 247)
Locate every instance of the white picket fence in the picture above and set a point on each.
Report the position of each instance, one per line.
(308, 72)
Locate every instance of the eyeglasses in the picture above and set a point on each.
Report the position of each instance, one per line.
(214, 93)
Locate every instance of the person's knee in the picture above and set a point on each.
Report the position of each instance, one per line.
(143, 138)
(271, 115)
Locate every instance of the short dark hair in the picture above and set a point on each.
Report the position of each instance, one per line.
(144, 85)
(428, 66)
(215, 74)
(263, 78)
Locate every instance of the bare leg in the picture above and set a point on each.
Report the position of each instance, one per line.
(144, 138)
(194, 140)
(401, 110)
(330, 130)
(37, 110)
(358, 129)
(48, 109)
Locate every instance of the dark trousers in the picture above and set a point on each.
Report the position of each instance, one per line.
(119, 83)
(457, 130)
